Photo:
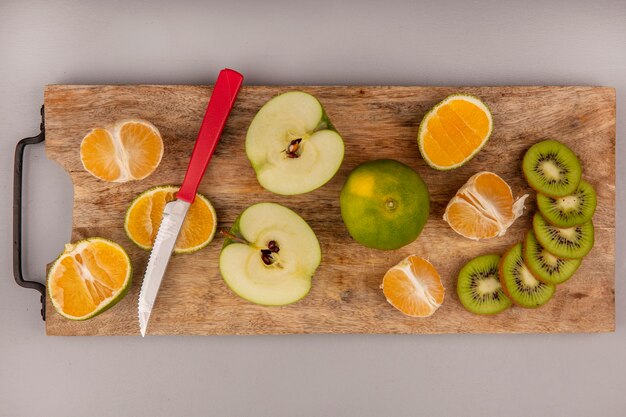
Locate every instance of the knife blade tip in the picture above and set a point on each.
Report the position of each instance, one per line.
(143, 322)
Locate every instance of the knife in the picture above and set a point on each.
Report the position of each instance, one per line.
(221, 102)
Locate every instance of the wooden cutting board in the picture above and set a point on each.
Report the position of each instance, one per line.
(375, 122)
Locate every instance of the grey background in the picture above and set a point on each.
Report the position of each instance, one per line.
(289, 42)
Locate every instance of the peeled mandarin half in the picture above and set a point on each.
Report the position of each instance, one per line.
(484, 207)
(145, 213)
(414, 287)
(89, 277)
(453, 131)
(131, 150)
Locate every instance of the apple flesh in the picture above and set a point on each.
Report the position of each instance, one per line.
(270, 256)
(292, 145)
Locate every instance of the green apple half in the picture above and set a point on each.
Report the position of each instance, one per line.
(270, 255)
(292, 145)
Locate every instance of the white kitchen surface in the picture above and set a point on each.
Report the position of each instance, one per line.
(291, 42)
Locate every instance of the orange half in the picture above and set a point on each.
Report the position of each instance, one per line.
(89, 277)
(453, 131)
(144, 216)
(414, 287)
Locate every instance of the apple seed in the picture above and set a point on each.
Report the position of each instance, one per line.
(266, 256)
(272, 246)
(292, 149)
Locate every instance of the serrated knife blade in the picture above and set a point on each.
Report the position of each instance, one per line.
(173, 218)
(220, 104)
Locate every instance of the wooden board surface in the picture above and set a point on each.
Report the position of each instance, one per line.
(375, 122)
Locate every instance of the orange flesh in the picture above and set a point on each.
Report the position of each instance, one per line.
(143, 148)
(483, 208)
(145, 217)
(81, 282)
(467, 220)
(497, 193)
(414, 288)
(131, 155)
(454, 132)
(198, 225)
(97, 151)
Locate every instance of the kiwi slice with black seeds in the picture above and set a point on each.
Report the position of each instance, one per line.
(545, 266)
(568, 211)
(565, 242)
(479, 287)
(519, 284)
(551, 168)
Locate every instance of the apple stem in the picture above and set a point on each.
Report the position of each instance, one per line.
(233, 237)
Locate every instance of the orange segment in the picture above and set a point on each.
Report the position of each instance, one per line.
(453, 131)
(98, 155)
(414, 287)
(200, 220)
(143, 228)
(468, 221)
(131, 150)
(143, 146)
(103, 263)
(144, 215)
(473, 113)
(89, 277)
(444, 144)
(496, 194)
(484, 207)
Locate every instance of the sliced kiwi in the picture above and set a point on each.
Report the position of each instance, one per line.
(519, 283)
(565, 242)
(479, 287)
(568, 211)
(545, 266)
(551, 168)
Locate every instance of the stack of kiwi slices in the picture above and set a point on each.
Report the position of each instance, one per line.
(562, 234)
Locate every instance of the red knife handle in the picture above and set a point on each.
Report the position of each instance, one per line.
(221, 102)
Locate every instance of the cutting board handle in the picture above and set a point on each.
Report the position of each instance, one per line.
(18, 169)
(220, 104)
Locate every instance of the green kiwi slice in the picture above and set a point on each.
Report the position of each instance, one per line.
(479, 287)
(568, 211)
(565, 242)
(519, 283)
(545, 266)
(551, 168)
